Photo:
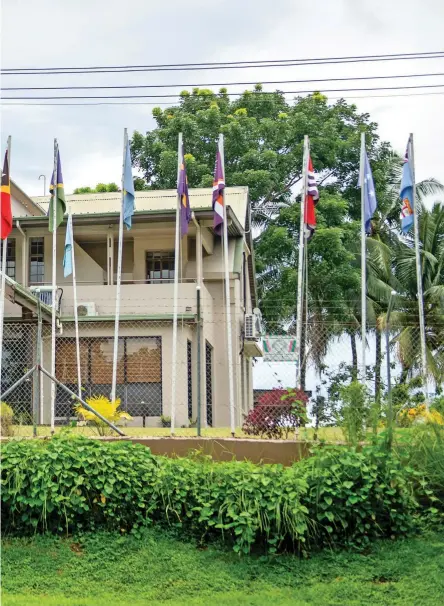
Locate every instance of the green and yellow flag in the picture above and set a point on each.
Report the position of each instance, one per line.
(57, 197)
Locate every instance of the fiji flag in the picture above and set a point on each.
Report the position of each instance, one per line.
(128, 189)
(406, 193)
(67, 257)
(369, 195)
(182, 192)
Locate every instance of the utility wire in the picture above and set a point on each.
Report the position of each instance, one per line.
(227, 65)
(8, 69)
(288, 92)
(345, 79)
(144, 103)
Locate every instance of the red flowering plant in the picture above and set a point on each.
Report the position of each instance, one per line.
(278, 413)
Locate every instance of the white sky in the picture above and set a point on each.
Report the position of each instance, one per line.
(49, 33)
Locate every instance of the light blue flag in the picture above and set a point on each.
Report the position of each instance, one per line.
(406, 193)
(69, 243)
(369, 195)
(128, 189)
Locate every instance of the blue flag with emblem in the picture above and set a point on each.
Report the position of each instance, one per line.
(406, 193)
(369, 195)
(128, 189)
(69, 243)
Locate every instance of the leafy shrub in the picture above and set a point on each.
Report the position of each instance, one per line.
(277, 413)
(107, 409)
(337, 497)
(165, 421)
(355, 497)
(354, 411)
(6, 419)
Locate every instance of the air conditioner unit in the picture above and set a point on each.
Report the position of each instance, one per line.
(252, 327)
(86, 309)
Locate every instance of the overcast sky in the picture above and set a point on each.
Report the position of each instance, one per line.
(50, 33)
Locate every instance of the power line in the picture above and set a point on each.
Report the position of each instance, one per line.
(8, 69)
(144, 103)
(288, 92)
(225, 65)
(124, 86)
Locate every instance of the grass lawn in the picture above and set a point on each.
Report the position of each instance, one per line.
(331, 434)
(107, 570)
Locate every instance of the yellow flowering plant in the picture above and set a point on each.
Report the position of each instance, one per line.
(104, 406)
(419, 414)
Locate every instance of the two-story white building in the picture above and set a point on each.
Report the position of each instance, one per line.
(145, 338)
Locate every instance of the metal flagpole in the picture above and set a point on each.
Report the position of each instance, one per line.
(299, 306)
(227, 297)
(363, 262)
(54, 286)
(3, 278)
(176, 291)
(76, 317)
(119, 275)
(419, 275)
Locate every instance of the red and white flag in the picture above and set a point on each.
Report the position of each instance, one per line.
(311, 200)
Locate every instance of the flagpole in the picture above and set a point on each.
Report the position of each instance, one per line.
(76, 317)
(54, 287)
(363, 263)
(119, 274)
(3, 278)
(419, 275)
(300, 295)
(227, 297)
(176, 290)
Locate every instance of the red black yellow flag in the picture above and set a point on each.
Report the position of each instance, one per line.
(5, 202)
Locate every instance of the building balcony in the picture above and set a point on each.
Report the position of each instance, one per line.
(136, 300)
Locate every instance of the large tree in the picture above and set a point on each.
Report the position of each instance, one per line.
(263, 143)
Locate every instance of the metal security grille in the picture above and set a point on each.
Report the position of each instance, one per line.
(17, 359)
(209, 382)
(190, 380)
(139, 373)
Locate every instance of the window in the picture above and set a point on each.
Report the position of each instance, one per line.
(209, 382)
(36, 260)
(160, 267)
(190, 380)
(139, 372)
(10, 258)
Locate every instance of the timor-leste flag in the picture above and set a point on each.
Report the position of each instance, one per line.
(5, 203)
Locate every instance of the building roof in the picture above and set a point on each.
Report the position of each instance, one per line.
(27, 205)
(152, 200)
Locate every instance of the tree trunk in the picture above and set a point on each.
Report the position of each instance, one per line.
(354, 356)
(378, 362)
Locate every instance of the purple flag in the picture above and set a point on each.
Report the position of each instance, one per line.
(182, 190)
(218, 197)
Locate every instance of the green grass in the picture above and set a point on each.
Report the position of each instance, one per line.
(108, 570)
(330, 434)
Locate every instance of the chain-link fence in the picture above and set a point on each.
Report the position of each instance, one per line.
(332, 357)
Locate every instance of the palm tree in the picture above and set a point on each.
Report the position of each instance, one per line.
(405, 318)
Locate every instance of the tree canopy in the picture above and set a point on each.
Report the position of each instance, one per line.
(100, 188)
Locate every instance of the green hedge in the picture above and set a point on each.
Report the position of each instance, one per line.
(73, 484)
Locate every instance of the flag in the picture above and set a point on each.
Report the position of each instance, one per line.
(182, 192)
(5, 201)
(67, 257)
(128, 189)
(57, 197)
(311, 200)
(369, 195)
(218, 197)
(406, 193)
